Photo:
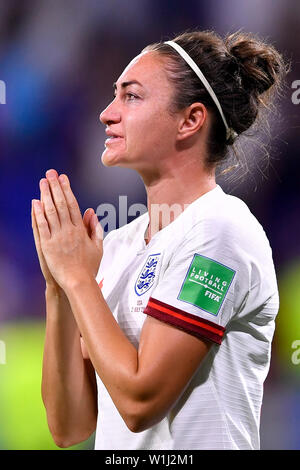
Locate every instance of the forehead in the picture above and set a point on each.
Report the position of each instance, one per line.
(147, 68)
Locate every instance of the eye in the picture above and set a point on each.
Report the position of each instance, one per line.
(131, 96)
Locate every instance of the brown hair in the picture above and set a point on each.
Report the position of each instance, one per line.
(245, 73)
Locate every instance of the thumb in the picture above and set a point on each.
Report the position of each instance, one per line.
(97, 231)
(87, 219)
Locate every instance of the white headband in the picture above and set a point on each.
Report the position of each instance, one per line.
(230, 133)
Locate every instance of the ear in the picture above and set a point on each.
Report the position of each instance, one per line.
(193, 118)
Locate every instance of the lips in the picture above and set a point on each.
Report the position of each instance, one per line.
(113, 140)
(112, 134)
(112, 137)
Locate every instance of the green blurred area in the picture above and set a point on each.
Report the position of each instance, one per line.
(288, 319)
(22, 413)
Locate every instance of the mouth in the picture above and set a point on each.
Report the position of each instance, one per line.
(112, 139)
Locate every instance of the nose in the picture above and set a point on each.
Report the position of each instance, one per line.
(110, 115)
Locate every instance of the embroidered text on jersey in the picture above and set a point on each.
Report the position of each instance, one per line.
(206, 284)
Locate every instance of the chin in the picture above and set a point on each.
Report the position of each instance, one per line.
(109, 159)
(106, 162)
(123, 161)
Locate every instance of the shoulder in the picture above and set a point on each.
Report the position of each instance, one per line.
(224, 230)
(228, 219)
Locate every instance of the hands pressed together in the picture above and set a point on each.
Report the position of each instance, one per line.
(69, 246)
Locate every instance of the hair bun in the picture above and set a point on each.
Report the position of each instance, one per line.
(261, 66)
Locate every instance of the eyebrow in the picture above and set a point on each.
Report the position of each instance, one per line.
(125, 84)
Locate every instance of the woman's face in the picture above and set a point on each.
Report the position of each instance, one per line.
(141, 131)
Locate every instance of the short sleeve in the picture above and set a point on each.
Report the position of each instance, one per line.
(200, 290)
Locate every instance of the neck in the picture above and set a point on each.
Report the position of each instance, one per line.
(169, 192)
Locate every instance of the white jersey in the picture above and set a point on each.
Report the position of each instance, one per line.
(210, 273)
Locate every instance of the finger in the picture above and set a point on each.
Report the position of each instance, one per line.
(71, 200)
(86, 220)
(97, 231)
(49, 206)
(35, 229)
(55, 172)
(36, 237)
(58, 197)
(41, 221)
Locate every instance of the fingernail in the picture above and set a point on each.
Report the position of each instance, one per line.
(62, 178)
(43, 182)
(51, 173)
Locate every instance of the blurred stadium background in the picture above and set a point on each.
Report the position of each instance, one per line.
(58, 60)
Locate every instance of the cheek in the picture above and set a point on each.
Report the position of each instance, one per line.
(136, 133)
(152, 127)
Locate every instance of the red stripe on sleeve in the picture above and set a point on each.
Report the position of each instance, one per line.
(192, 324)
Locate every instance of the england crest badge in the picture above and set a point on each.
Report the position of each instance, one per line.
(146, 277)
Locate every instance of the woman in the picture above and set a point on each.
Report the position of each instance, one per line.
(180, 330)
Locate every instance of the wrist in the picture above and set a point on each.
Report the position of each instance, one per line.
(53, 287)
(76, 282)
(58, 308)
(54, 290)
